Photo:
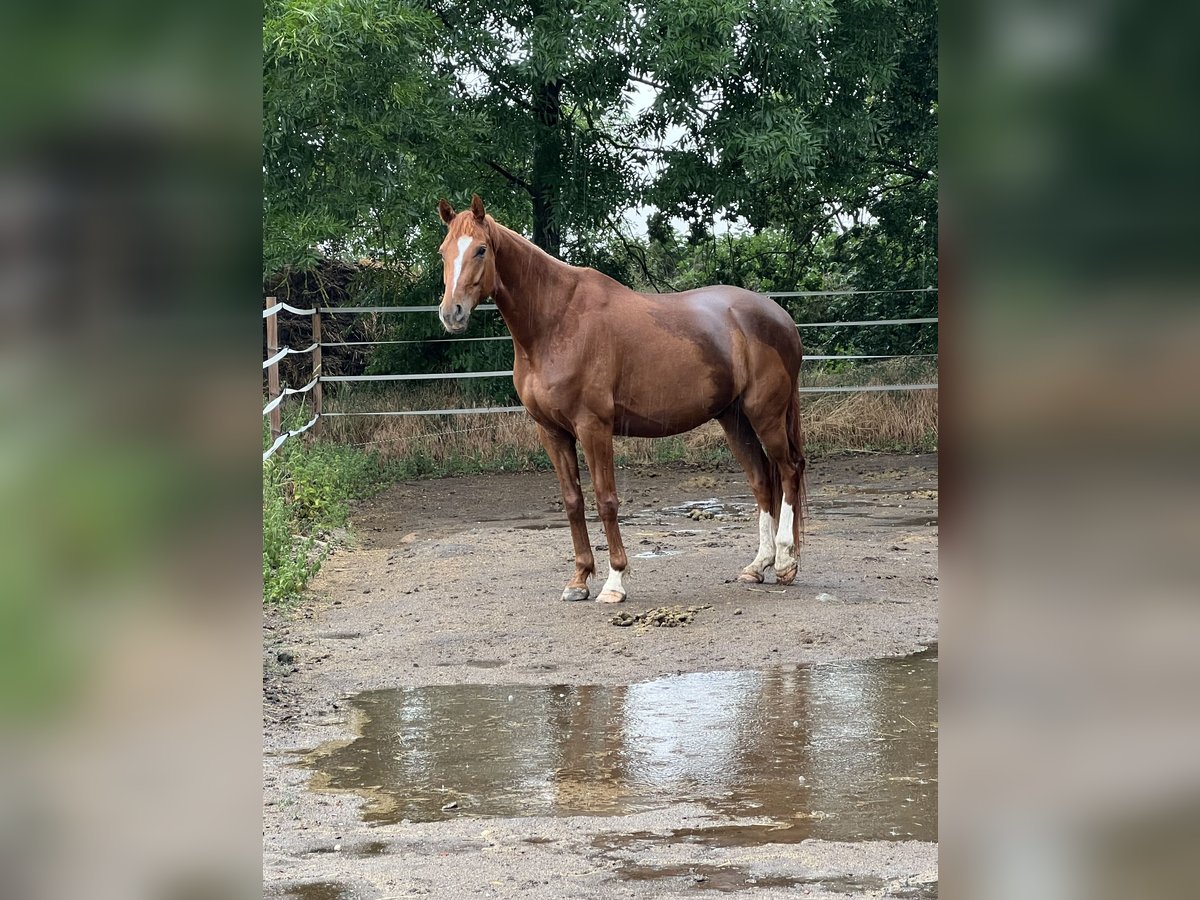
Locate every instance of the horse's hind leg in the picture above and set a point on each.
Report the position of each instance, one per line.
(561, 449)
(763, 482)
(773, 428)
(597, 440)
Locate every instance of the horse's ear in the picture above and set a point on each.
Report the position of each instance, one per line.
(477, 207)
(446, 211)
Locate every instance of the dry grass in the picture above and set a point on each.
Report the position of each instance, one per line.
(437, 444)
(865, 421)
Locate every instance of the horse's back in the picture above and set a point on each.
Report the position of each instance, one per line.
(662, 364)
(756, 317)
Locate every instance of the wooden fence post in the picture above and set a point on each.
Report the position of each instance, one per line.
(316, 367)
(273, 369)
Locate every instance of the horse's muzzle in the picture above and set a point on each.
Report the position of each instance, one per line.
(455, 320)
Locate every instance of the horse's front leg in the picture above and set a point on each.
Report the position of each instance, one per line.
(560, 446)
(598, 451)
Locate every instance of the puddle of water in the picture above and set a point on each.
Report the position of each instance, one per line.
(476, 663)
(655, 554)
(316, 890)
(902, 523)
(838, 752)
(731, 878)
(714, 505)
(860, 509)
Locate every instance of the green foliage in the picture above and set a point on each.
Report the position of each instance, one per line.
(782, 114)
(359, 130)
(307, 489)
(287, 563)
(309, 486)
(813, 126)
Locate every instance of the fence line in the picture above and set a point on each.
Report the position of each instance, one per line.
(508, 337)
(500, 373)
(287, 392)
(866, 322)
(338, 310)
(499, 337)
(433, 412)
(272, 311)
(288, 351)
(278, 442)
(479, 410)
(489, 307)
(272, 370)
(924, 290)
(276, 354)
(867, 388)
(275, 396)
(426, 377)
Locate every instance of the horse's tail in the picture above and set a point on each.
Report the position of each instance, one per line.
(795, 435)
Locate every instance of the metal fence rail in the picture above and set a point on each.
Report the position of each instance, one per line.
(276, 354)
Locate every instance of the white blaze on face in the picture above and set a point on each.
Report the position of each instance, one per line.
(463, 244)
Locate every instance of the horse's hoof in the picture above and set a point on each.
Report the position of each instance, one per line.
(749, 576)
(787, 576)
(611, 597)
(576, 593)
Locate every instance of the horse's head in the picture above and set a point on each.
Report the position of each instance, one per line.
(468, 263)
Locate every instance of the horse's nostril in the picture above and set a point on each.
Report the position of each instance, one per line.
(459, 315)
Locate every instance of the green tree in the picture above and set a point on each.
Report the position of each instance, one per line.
(797, 118)
(550, 78)
(360, 130)
(794, 116)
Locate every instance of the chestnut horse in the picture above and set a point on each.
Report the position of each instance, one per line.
(594, 358)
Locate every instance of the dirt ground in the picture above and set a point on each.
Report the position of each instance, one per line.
(458, 581)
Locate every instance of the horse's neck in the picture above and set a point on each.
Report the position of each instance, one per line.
(533, 287)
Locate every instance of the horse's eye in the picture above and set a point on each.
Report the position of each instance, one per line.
(480, 252)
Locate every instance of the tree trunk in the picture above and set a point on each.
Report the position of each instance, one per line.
(547, 166)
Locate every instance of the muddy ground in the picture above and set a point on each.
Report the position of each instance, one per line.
(457, 581)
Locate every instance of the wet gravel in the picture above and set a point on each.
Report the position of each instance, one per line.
(456, 582)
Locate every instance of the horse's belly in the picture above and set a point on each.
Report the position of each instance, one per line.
(661, 422)
(673, 401)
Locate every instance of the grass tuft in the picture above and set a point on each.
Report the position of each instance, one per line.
(308, 487)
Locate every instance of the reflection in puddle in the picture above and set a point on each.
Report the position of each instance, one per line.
(714, 505)
(476, 663)
(873, 512)
(732, 878)
(316, 890)
(625, 850)
(839, 752)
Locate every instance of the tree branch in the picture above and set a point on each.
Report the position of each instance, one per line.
(609, 139)
(637, 257)
(513, 91)
(513, 179)
(901, 166)
(645, 81)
